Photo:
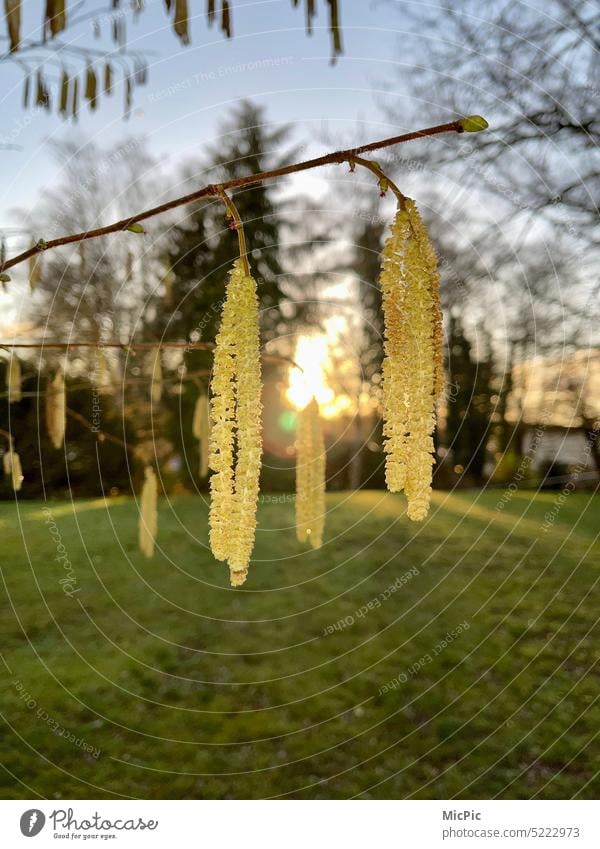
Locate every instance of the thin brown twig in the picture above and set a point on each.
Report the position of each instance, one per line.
(239, 228)
(102, 435)
(214, 189)
(142, 346)
(376, 169)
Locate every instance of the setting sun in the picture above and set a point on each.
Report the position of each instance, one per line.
(313, 356)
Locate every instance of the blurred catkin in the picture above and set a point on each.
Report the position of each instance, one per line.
(148, 520)
(56, 409)
(156, 377)
(310, 476)
(13, 379)
(201, 430)
(12, 468)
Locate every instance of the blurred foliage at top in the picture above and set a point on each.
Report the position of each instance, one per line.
(99, 69)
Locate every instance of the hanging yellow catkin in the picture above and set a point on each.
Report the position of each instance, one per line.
(56, 409)
(428, 252)
(222, 428)
(201, 430)
(156, 377)
(148, 520)
(412, 368)
(394, 362)
(236, 426)
(249, 430)
(12, 468)
(13, 379)
(310, 476)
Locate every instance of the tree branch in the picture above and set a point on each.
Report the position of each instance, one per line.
(137, 346)
(101, 435)
(458, 126)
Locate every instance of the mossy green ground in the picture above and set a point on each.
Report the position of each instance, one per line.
(190, 689)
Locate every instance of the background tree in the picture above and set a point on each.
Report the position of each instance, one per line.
(535, 71)
(521, 207)
(366, 465)
(95, 290)
(84, 467)
(469, 403)
(99, 291)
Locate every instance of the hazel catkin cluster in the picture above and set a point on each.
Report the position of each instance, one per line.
(236, 430)
(413, 365)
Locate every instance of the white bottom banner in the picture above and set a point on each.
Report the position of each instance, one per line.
(301, 824)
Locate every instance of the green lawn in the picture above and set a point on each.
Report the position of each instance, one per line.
(154, 679)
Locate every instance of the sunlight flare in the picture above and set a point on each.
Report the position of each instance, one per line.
(312, 379)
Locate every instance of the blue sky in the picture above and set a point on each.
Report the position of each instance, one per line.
(190, 88)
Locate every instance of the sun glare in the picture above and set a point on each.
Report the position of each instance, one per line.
(312, 378)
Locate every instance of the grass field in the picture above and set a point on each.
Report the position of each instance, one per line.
(325, 676)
